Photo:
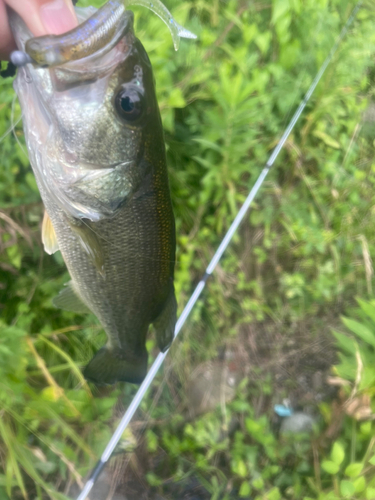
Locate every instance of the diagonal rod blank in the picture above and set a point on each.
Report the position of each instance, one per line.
(214, 261)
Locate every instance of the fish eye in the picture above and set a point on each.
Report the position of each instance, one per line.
(129, 103)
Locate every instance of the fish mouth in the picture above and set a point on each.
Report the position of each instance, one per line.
(98, 64)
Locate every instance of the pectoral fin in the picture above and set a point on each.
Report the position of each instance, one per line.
(48, 235)
(69, 300)
(90, 243)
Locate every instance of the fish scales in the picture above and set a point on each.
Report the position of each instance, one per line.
(138, 246)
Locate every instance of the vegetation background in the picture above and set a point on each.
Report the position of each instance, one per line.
(262, 332)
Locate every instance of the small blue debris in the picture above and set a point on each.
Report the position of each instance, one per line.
(283, 411)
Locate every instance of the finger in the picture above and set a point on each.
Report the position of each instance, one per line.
(46, 16)
(6, 38)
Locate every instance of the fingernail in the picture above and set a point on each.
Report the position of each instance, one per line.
(57, 18)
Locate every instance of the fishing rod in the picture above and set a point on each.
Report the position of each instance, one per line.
(211, 267)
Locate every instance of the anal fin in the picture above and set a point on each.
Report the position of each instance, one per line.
(48, 235)
(69, 300)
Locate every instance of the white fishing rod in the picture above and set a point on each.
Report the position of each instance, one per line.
(211, 266)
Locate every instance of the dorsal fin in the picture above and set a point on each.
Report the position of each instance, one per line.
(48, 235)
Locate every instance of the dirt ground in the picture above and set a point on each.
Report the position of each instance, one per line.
(293, 362)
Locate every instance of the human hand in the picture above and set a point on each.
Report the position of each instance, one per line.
(41, 16)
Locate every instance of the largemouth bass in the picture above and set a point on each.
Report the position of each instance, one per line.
(95, 141)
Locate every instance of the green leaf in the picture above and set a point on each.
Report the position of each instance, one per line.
(370, 493)
(345, 343)
(327, 139)
(279, 8)
(176, 98)
(337, 453)
(152, 441)
(359, 484)
(245, 489)
(330, 467)
(346, 488)
(354, 469)
(372, 460)
(258, 483)
(360, 330)
(366, 428)
(239, 467)
(263, 41)
(208, 144)
(153, 479)
(274, 494)
(368, 308)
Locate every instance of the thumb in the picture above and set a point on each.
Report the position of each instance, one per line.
(46, 16)
(58, 16)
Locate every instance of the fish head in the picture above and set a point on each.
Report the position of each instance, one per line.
(89, 123)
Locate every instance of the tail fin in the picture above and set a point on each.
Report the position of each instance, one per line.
(109, 366)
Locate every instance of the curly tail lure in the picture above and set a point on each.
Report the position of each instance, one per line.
(106, 26)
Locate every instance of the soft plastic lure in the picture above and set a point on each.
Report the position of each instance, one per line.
(105, 27)
(177, 31)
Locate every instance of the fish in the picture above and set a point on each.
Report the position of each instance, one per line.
(95, 141)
